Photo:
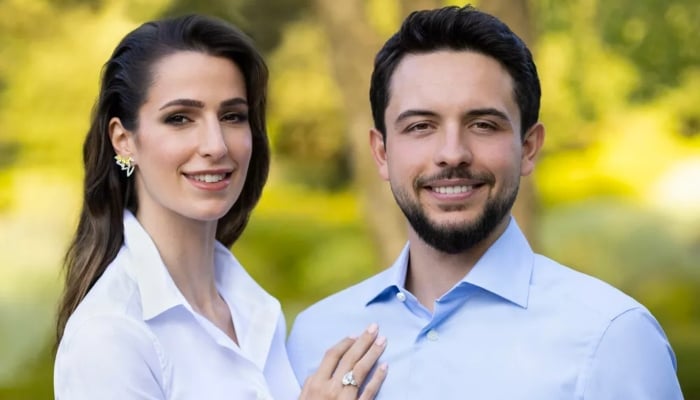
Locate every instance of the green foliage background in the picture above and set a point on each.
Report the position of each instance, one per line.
(618, 184)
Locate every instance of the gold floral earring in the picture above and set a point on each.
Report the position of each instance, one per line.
(126, 163)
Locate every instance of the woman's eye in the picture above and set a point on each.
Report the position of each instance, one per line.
(235, 117)
(177, 119)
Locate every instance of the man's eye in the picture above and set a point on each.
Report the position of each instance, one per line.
(421, 126)
(482, 125)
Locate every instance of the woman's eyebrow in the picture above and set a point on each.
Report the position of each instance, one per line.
(183, 102)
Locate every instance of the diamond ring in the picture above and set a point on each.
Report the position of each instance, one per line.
(349, 380)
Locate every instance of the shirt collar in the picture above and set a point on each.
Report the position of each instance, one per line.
(389, 281)
(505, 270)
(258, 313)
(156, 286)
(506, 267)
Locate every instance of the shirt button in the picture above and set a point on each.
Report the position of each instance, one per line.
(401, 296)
(432, 335)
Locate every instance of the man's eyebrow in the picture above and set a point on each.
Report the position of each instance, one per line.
(477, 112)
(415, 113)
(480, 112)
(183, 102)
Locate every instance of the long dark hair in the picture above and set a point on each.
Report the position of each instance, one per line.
(126, 77)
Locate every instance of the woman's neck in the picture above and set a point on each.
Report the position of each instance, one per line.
(186, 247)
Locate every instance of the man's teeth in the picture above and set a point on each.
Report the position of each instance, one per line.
(452, 189)
(209, 178)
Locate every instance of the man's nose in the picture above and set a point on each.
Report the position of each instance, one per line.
(452, 148)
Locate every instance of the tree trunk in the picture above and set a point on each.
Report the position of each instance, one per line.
(354, 43)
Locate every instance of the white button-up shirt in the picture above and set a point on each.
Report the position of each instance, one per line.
(134, 336)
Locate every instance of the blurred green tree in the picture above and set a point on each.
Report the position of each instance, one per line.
(614, 194)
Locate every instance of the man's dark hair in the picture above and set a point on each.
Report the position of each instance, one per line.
(457, 28)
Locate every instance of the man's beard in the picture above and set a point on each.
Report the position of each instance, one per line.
(456, 238)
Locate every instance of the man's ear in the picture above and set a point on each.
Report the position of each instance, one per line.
(378, 147)
(121, 138)
(534, 138)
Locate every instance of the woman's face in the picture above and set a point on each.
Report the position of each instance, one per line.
(194, 143)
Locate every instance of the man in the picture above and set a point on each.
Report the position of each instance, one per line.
(468, 311)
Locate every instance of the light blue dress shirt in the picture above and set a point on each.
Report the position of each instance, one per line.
(135, 336)
(518, 326)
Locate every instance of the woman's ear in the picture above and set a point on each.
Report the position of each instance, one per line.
(121, 138)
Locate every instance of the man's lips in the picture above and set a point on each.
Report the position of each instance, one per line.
(452, 189)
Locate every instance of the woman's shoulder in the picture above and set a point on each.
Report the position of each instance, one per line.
(115, 292)
(113, 302)
(102, 351)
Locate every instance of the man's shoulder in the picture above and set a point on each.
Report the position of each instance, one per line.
(342, 313)
(578, 291)
(349, 300)
(326, 322)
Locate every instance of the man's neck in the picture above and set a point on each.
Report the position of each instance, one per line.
(432, 273)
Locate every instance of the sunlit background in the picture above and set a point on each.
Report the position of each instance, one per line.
(616, 193)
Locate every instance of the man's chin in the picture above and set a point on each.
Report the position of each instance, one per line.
(454, 220)
(455, 234)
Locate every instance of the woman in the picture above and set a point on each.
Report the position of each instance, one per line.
(155, 305)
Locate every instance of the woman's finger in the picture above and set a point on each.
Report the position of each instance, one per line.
(368, 360)
(358, 350)
(345, 366)
(372, 387)
(321, 385)
(332, 357)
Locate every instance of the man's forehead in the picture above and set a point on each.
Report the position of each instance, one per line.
(448, 77)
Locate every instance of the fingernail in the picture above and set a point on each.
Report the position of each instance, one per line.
(373, 327)
(383, 366)
(380, 340)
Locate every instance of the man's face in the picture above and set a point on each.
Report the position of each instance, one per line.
(453, 153)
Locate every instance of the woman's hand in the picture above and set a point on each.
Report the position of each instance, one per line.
(345, 367)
